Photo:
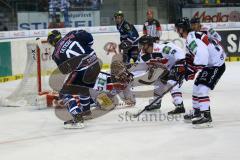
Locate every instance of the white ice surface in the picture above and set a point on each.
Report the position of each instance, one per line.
(30, 134)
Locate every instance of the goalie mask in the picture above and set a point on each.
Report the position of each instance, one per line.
(53, 37)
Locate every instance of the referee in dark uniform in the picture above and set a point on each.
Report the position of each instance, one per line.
(152, 26)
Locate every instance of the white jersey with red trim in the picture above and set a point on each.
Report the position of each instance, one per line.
(211, 33)
(205, 53)
(167, 50)
(171, 52)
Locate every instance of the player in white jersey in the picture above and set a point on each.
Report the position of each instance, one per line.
(210, 32)
(173, 58)
(205, 56)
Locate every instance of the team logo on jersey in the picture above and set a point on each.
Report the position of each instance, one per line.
(166, 49)
(127, 26)
(192, 46)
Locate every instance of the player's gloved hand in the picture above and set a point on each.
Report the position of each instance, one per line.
(178, 71)
(125, 45)
(190, 72)
(157, 61)
(189, 58)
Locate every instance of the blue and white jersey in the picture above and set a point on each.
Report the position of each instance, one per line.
(73, 44)
(128, 32)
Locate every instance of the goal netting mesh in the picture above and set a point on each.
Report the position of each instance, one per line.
(34, 87)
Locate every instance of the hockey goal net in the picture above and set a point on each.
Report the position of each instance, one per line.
(34, 89)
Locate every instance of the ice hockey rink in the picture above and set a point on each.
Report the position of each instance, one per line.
(30, 133)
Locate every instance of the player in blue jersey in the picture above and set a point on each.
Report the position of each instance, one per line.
(74, 55)
(128, 37)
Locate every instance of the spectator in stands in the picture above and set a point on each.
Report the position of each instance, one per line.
(53, 5)
(64, 9)
(152, 26)
(56, 22)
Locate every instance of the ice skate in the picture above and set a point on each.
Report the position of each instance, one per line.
(75, 123)
(193, 114)
(204, 121)
(179, 109)
(87, 115)
(155, 106)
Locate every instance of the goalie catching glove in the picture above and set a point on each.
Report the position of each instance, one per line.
(119, 73)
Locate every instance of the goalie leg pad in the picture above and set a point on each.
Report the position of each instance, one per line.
(105, 102)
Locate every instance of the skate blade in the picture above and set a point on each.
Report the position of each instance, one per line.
(202, 126)
(74, 126)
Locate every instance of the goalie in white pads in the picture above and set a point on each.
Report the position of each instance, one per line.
(206, 57)
(109, 85)
(173, 59)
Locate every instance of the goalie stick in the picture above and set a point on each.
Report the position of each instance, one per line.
(155, 100)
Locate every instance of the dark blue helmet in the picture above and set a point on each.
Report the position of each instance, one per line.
(183, 23)
(195, 20)
(146, 39)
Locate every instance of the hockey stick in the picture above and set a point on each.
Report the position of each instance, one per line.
(155, 100)
(144, 82)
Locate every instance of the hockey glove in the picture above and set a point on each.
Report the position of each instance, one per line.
(178, 71)
(125, 45)
(189, 59)
(190, 72)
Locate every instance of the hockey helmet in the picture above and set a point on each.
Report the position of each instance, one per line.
(118, 13)
(146, 39)
(53, 37)
(183, 23)
(195, 20)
